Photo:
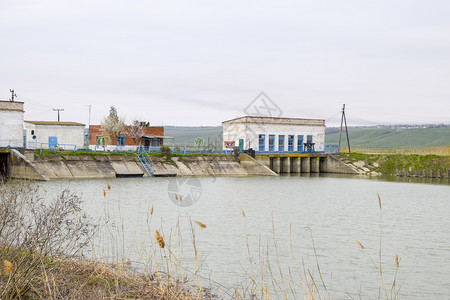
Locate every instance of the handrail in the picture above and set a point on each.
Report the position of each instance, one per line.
(145, 164)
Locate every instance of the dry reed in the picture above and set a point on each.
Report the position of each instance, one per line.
(361, 245)
(8, 266)
(159, 239)
(202, 225)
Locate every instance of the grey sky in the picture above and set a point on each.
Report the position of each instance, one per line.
(201, 62)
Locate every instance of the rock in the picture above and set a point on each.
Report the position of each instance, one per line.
(360, 163)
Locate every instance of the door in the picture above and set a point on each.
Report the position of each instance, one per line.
(241, 145)
(52, 141)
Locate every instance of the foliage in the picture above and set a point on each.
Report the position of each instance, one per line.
(136, 130)
(113, 124)
(166, 151)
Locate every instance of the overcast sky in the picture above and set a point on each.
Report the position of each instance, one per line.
(202, 62)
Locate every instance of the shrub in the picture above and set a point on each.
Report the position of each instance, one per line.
(166, 151)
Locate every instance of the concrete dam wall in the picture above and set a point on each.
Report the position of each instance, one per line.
(29, 166)
(305, 163)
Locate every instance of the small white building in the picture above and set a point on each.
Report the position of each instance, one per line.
(275, 135)
(11, 124)
(65, 135)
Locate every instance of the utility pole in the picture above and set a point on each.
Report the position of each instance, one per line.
(13, 95)
(343, 118)
(89, 124)
(58, 110)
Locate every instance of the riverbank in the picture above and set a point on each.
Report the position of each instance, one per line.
(413, 165)
(73, 165)
(43, 244)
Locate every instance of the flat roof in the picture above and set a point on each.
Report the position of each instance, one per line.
(157, 137)
(11, 101)
(276, 120)
(55, 123)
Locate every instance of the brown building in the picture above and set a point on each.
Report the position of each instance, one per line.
(153, 136)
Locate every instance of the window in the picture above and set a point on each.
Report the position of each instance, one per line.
(32, 132)
(300, 143)
(120, 141)
(155, 142)
(272, 143)
(98, 139)
(281, 143)
(309, 140)
(290, 143)
(262, 142)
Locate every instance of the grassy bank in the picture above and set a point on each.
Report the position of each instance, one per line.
(387, 164)
(43, 245)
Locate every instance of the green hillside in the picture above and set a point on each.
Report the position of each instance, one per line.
(182, 135)
(369, 137)
(394, 137)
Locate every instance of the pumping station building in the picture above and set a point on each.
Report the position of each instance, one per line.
(11, 124)
(285, 145)
(275, 135)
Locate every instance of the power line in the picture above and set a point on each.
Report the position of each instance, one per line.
(58, 110)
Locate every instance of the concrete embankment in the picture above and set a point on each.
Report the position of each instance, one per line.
(34, 167)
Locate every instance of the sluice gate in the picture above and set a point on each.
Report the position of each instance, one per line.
(303, 163)
(4, 163)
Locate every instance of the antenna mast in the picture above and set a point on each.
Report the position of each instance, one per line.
(58, 110)
(13, 95)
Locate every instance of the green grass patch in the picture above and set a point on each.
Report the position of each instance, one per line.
(390, 163)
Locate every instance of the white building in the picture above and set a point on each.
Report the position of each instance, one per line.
(276, 135)
(11, 124)
(65, 135)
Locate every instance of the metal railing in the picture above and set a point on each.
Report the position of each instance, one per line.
(14, 144)
(54, 148)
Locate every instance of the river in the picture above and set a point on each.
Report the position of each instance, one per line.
(255, 220)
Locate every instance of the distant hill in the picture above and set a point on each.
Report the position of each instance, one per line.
(370, 137)
(391, 137)
(182, 135)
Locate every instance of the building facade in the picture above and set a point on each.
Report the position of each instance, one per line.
(47, 134)
(153, 137)
(11, 124)
(275, 135)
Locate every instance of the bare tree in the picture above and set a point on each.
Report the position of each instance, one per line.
(113, 124)
(136, 130)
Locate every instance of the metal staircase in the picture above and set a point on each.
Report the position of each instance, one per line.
(144, 159)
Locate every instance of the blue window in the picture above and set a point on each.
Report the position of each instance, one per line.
(272, 142)
(300, 143)
(290, 143)
(120, 141)
(262, 142)
(281, 143)
(98, 139)
(309, 140)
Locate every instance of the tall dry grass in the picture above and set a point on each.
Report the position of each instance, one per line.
(43, 245)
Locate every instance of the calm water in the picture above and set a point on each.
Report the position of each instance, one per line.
(339, 211)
